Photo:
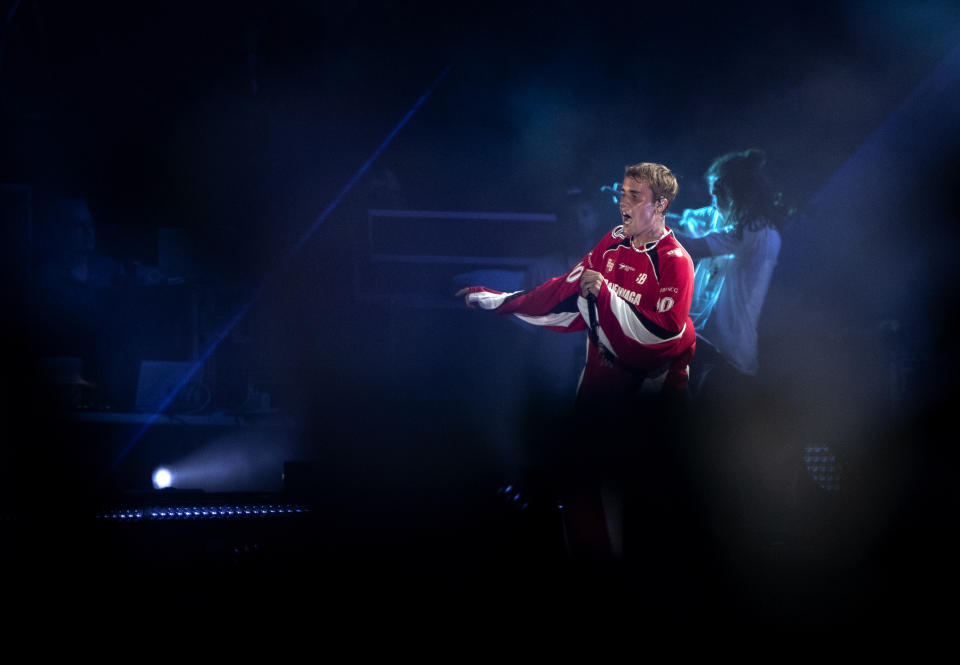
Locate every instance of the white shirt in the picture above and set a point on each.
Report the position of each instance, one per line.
(732, 325)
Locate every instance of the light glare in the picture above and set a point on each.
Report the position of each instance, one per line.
(162, 478)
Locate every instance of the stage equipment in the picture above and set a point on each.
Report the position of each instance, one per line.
(420, 257)
(279, 270)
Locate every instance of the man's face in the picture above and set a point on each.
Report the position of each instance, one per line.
(638, 211)
(719, 204)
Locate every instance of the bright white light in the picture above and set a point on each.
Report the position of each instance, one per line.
(162, 478)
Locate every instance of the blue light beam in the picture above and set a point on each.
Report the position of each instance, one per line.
(366, 165)
(232, 323)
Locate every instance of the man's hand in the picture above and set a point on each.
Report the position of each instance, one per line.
(465, 292)
(590, 282)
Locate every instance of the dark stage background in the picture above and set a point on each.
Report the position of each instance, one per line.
(243, 165)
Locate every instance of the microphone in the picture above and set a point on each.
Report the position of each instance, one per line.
(605, 353)
(592, 312)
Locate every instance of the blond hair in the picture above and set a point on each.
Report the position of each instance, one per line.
(657, 177)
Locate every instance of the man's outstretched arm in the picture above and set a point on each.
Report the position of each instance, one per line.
(553, 304)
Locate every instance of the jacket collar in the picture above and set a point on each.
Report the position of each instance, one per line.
(649, 246)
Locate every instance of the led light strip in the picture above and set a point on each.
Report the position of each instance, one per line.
(200, 512)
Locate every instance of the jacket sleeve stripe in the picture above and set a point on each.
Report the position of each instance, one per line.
(489, 300)
(561, 320)
(566, 305)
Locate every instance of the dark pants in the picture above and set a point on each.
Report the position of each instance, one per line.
(714, 379)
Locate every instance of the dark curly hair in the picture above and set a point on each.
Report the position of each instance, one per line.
(744, 193)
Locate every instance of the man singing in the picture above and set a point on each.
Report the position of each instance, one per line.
(632, 292)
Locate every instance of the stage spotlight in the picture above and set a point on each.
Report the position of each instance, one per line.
(162, 478)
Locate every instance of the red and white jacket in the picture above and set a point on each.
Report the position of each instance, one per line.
(643, 313)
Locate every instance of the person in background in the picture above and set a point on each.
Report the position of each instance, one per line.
(737, 241)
